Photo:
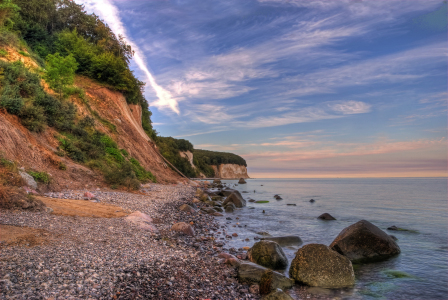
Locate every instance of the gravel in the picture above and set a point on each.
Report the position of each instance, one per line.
(100, 258)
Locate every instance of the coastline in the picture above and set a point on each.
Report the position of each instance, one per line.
(104, 258)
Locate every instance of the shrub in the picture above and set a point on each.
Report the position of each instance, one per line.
(124, 152)
(62, 166)
(43, 177)
(3, 52)
(23, 53)
(142, 175)
(115, 153)
(32, 117)
(60, 71)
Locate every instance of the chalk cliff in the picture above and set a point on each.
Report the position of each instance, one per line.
(230, 171)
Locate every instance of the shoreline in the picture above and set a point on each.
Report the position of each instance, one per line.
(109, 258)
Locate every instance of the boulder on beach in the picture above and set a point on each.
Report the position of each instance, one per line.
(29, 180)
(251, 272)
(289, 240)
(364, 242)
(278, 295)
(326, 216)
(217, 181)
(241, 181)
(318, 265)
(142, 220)
(187, 208)
(184, 228)
(236, 199)
(268, 254)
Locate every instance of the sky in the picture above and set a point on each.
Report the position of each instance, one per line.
(298, 88)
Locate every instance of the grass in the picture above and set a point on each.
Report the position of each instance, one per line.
(42, 177)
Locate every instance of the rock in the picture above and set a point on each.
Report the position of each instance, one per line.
(234, 234)
(289, 240)
(142, 220)
(401, 229)
(89, 195)
(217, 214)
(236, 199)
(216, 198)
(268, 254)
(393, 237)
(204, 198)
(230, 208)
(250, 272)
(291, 204)
(263, 233)
(318, 265)
(49, 210)
(196, 200)
(266, 282)
(312, 200)
(29, 180)
(326, 216)
(184, 228)
(364, 242)
(233, 261)
(241, 181)
(278, 295)
(199, 193)
(252, 200)
(218, 209)
(254, 289)
(187, 208)
(227, 192)
(277, 197)
(217, 181)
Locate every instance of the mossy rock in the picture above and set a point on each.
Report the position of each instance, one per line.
(262, 201)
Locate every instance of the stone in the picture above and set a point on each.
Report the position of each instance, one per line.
(216, 198)
(254, 289)
(230, 208)
(289, 240)
(242, 181)
(326, 216)
(199, 193)
(89, 195)
(217, 181)
(393, 237)
(217, 214)
(278, 295)
(266, 282)
(252, 200)
(49, 210)
(218, 209)
(268, 254)
(184, 228)
(263, 233)
(29, 180)
(251, 272)
(291, 204)
(142, 220)
(364, 242)
(312, 200)
(196, 200)
(236, 199)
(318, 265)
(204, 198)
(187, 208)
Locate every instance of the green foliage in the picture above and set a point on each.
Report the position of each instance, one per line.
(124, 152)
(115, 153)
(122, 175)
(23, 53)
(60, 71)
(62, 166)
(43, 177)
(217, 158)
(7, 11)
(3, 52)
(141, 173)
(169, 147)
(32, 117)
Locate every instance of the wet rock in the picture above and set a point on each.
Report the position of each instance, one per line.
(268, 254)
(266, 282)
(326, 216)
(290, 240)
(393, 237)
(251, 272)
(187, 208)
(278, 295)
(217, 214)
(218, 209)
(217, 181)
(312, 200)
(184, 228)
(364, 242)
(252, 200)
(318, 265)
(291, 204)
(230, 208)
(254, 289)
(241, 181)
(29, 180)
(216, 198)
(263, 233)
(236, 199)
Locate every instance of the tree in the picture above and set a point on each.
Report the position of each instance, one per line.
(60, 71)
(7, 10)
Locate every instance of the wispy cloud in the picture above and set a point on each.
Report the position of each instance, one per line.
(107, 11)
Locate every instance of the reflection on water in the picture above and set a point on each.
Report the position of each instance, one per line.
(418, 204)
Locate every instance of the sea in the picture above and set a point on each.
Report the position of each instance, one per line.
(417, 204)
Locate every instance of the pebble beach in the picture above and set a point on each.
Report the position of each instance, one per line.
(109, 258)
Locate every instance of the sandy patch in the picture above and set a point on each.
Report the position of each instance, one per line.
(83, 208)
(23, 236)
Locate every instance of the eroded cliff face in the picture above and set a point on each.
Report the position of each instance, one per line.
(230, 171)
(188, 155)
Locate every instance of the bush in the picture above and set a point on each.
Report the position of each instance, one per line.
(3, 52)
(122, 176)
(23, 53)
(142, 175)
(115, 153)
(43, 177)
(32, 117)
(62, 166)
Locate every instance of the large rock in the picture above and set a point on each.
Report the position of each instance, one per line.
(241, 181)
(227, 192)
(250, 272)
(230, 208)
(326, 216)
(29, 180)
(318, 265)
(268, 254)
(364, 242)
(278, 295)
(290, 240)
(142, 220)
(184, 228)
(236, 199)
(187, 208)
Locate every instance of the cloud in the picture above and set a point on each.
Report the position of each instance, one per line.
(350, 107)
(107, 11)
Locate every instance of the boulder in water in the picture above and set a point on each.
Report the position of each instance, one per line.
(241, 181)
(278, 295)
(250, 272)
(236, 199)
(326, 216)
(318, 265)
(230, 208)
(312, 200)
(268, 254)
(364, 242)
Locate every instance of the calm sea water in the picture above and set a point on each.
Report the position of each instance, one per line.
(418, 204)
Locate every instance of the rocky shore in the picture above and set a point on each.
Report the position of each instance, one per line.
(110, 258)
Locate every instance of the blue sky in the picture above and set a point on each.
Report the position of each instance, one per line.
(298, 88)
